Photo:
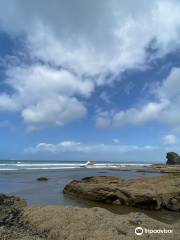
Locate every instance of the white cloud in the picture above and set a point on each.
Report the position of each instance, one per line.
(79, 44)
(58, 110)
(171, 86)
(141, 115)
(165, 109)
(72, 146)
(111, 42)
(169, 139)
(53, 148)
(105, 97)
(103, 120)
(170, 89)
(115, 141)
(74, 150)
(7, 103)
(45, 95)
(133, 116)
(38, 78)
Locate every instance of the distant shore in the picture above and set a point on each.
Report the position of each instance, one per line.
(156, 168)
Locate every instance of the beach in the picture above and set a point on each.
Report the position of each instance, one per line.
(22, 182)
(89, 120)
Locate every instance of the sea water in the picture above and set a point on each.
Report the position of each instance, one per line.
(19, 178)
(15, 165)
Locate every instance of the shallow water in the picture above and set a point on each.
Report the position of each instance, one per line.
(23, 183)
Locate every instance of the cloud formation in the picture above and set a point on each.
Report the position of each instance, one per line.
(72, 48)
(72, 146)
(45, 95)
(165, 109)
(169, 139)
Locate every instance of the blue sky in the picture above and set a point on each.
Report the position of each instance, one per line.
(89, 80)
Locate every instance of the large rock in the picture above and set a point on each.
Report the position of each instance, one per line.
(74, 223)
(12, 224)
(148, 193)
(172, 158)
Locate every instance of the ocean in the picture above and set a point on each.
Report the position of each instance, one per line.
(19, 178)
(16, 165)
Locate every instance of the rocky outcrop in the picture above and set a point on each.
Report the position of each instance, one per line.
(74, 223)
(172, 158)
(10, 209)
(12, 224)
(42, 179)
(148, 193)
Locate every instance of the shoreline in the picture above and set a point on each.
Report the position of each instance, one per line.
(94, 221)
(154, 168)
(64, 166)
(50, 222)
(84, 208)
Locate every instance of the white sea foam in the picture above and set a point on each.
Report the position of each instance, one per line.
(8, 169)
(48, 164)
(55, 166)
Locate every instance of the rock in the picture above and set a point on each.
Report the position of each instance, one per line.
(11, 201)
(174, 204)
(74, 223)
(174, 201)
(117, 202)
(42, 179)
(10, 208)
(148, 193)
(12, 224)
(172, 158)
(136, 220)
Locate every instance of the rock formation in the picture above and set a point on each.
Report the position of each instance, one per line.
(42, 179)
(12, 224)
(148, 193)
(74, 223)
(172, 158)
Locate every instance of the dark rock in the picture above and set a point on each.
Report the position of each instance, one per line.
(42, 179)
(11, 201)
(12, 224)
(172, 158)
(10, 209)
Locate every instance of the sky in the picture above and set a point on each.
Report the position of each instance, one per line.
(89, 80)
